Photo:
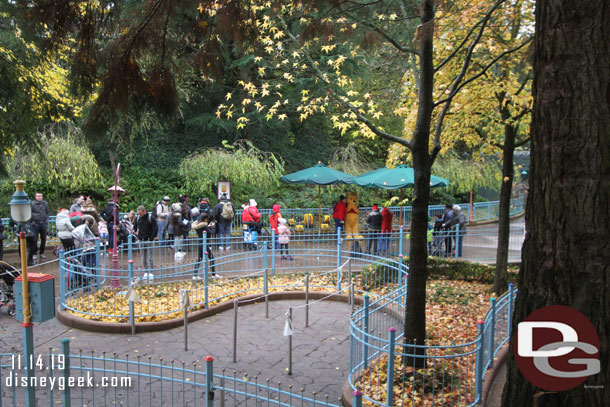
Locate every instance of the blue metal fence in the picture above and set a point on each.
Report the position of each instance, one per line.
(107, 380)
(452, 375)
(449, 375)
(308, 217)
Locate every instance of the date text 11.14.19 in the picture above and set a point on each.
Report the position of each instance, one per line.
(54, 362)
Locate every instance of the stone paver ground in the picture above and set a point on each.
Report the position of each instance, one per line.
(320, 352)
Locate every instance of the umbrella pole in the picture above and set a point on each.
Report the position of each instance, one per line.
(319, 209)
(400, 206)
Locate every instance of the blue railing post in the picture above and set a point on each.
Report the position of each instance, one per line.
(357, 398)
(130, 248)
(390, 375)
(478, 380)
(206, 278)
(62, 283)
(400, 238)
(365, 346)
(265, 282)
(98, 262)
(209, 381)
(457, 239)
(400, 269)
(339, 244)
(65, 350)
(273, 244)
(265, 256)
(511, 288)
(204, 248)
(130, 278)
(492, 331)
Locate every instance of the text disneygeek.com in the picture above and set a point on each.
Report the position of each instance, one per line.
(61, 382)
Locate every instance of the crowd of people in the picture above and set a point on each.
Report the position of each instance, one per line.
(170, 224)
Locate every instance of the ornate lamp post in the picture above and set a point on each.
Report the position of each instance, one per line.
(21, 212)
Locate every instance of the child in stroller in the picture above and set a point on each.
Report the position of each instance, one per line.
(256, 236)
(82, 265)
(125, 229)
(8, 274)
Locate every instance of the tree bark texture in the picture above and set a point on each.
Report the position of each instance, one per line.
(566, 254)
(508, 173)
(415, 310)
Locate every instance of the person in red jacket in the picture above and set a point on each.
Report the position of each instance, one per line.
(274, 221)
(250, 214)
(339, 213)
(386, 229)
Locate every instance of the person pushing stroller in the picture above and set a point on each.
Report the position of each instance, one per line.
(250, 217)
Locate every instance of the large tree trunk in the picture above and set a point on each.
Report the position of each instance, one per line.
(415, 310)
(566, 255)
(508, 173)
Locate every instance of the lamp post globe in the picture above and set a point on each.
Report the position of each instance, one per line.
(21, 210)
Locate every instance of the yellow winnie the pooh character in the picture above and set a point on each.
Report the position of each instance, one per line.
(351, 217)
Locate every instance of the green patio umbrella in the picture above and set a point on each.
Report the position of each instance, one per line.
(398, 177)
(318, 175)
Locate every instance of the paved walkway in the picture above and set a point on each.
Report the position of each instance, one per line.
(320, 352)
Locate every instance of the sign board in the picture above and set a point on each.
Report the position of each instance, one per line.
(224, 187)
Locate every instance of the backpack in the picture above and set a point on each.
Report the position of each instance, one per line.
(154, 211)
(227, 211)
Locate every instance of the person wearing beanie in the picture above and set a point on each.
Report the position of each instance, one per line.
(284, 239)
(250, 215)
(373, 222)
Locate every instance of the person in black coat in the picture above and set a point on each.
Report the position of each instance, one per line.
(374, 221)
(203, 224)
(146, 229)
(447, 218)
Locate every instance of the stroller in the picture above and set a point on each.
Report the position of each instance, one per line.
(81, 266)
(255, 236)
(8, 274)
(125, 229)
